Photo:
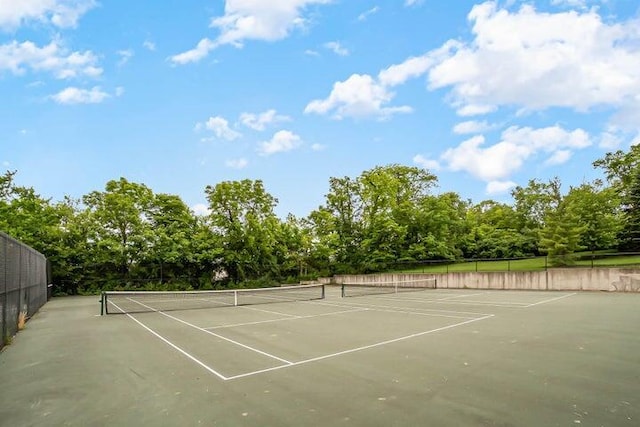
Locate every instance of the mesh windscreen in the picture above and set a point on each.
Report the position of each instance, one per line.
(23, 283)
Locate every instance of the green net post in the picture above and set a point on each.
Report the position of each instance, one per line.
(323, 288)
(342, 286)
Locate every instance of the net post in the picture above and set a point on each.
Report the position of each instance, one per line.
(102, 303)
(323, 287)
(235, 298)
(342, 290)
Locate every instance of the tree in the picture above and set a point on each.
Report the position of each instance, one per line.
(532, 204)
(620, 168)
(27, 216)
(242, 216)
(630, 233)
(172, 225)
(561, 233)
(495, 232)
(598, 211)
(121, 215)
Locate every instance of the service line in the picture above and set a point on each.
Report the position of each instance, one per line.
(353, 350)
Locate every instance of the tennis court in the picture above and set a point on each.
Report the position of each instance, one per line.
(421, 357)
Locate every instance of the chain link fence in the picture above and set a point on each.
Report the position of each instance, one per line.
(23, 284)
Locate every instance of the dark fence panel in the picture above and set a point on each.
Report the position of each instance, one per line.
(23, 284)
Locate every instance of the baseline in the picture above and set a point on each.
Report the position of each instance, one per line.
(550, 300)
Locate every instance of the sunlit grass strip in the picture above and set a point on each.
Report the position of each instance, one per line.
(529, 264)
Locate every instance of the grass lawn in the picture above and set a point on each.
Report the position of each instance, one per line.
(529, 264)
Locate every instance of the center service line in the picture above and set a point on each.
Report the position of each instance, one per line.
(353, 350)
(175, 347)
(218, 336)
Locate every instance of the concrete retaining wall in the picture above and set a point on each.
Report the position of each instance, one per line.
(558, 279)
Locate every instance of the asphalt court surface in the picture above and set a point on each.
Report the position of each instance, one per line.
(235, 342)
(432, 357)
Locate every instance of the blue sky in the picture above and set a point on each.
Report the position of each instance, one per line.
(180, 95)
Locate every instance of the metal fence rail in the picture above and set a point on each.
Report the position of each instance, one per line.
(23, 284)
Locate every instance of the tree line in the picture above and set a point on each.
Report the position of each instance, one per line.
(128, 236)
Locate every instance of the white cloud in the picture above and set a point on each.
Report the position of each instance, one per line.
(628, 117)
(74, 95)
(311, 52)
(201, 209)
(260, 121)
(558, 158)
(426, 163)
(412, 2)
(60, 13)
(240, 163)
(476, 109)
(149, 45)
(54, 58)
(125, 56)
(569, 59)
(521, 59)
(400, 73)
(499, 187)
(337, 48)
(358, 96)
(201, 50)
(318, 147)
(364, 96)
(517, 145)
(119, 91)
(281, 141)
(610, 139)
(251, 20)
(365, 15)
(492, 163)
(220, 128)
(472, 126)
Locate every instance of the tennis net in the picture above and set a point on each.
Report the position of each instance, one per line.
(113, 302)
(374, 288)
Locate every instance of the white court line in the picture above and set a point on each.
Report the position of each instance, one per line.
(219, 336)
(259, 322)
(395, 309)
(175, 347)
(488, 303)
(353, 350)
(266, 311)
(459, 296)
(353, 304)
(485, 302)
(550, 299)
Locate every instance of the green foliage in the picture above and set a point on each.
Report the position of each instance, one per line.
(598, 211)
(630, 235)
(127, 237)
(243, 220)
(560, 236)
